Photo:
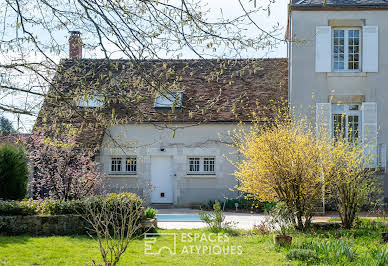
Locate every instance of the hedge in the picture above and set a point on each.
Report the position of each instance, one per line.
(60, 207)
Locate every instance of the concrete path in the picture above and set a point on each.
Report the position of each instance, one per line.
(242, 220)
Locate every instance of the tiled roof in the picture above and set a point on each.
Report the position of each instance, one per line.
(12, 138)
(339, 3)
(213, 91)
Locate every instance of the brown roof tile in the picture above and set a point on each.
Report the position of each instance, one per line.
(213, 91)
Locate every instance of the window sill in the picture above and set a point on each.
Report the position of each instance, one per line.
(122, 175)
(346, 74)
(200, 176)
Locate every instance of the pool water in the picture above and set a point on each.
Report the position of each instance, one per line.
(178, 218)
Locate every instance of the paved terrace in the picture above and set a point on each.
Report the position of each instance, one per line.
(243, 220)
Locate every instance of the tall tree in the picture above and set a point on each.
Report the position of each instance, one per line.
(61, 169)
(33, 39)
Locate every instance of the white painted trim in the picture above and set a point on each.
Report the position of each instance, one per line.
(370, 55)
(115, 175)
(201, 176)
(347, 74)
(323, 49)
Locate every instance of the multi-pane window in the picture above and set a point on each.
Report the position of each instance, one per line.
(346, 49)
(208, 164)
(130, 164)
(201, 165)
(115, 165)
(346, 121)
(126, 165)
(194, 164)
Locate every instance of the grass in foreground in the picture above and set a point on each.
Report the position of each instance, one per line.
(361, 246)
(78, 250)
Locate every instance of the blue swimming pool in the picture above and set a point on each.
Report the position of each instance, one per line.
(178, 218)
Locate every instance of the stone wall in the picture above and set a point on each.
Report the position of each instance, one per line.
(43, 225)
(54, 225)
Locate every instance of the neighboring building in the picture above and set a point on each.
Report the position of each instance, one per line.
(13, 138)
(338, 65)
(175, 151)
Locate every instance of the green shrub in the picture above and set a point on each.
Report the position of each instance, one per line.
(215, 219)
(13, 172)
(267, 206)
(60, 207)
(302, 255)
(210, 204)
(150, 213)
(25, 207)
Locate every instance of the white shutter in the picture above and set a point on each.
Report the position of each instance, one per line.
(369, 130)
(370, 49)
(323, 49)
(323, 118)
(382, 153)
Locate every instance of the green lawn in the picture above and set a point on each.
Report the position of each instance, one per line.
(362, 246)
(26, 250)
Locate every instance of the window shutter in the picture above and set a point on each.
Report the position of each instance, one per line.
(369, 129)
(370, 46)
(382, 153)
(323, 118)
(323, 49)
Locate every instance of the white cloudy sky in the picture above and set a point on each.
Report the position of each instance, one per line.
(230, 8)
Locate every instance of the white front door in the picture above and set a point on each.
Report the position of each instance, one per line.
(161, 179)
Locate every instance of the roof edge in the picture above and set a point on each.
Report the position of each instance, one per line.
(320, 7)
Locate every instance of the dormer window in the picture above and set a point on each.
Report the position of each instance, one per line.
(169, 99)
(92, 101)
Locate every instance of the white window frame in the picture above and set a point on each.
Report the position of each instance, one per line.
(123, 165)
(115, 164)
(168, 99)
(347, 112)
(202, 166)
(346, 49)
(131, 165)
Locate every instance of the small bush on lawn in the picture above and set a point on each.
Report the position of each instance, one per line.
(150, 213)
(215, 219)
(13, 172)
(302, 255)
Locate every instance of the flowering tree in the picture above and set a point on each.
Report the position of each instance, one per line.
(62, 170)
(281, 163)
(287, 161)
(350, 179)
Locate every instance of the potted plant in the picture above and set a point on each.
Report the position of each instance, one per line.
(150, 221)
(282, 220)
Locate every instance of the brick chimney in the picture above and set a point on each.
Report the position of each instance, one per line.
(75, 45)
